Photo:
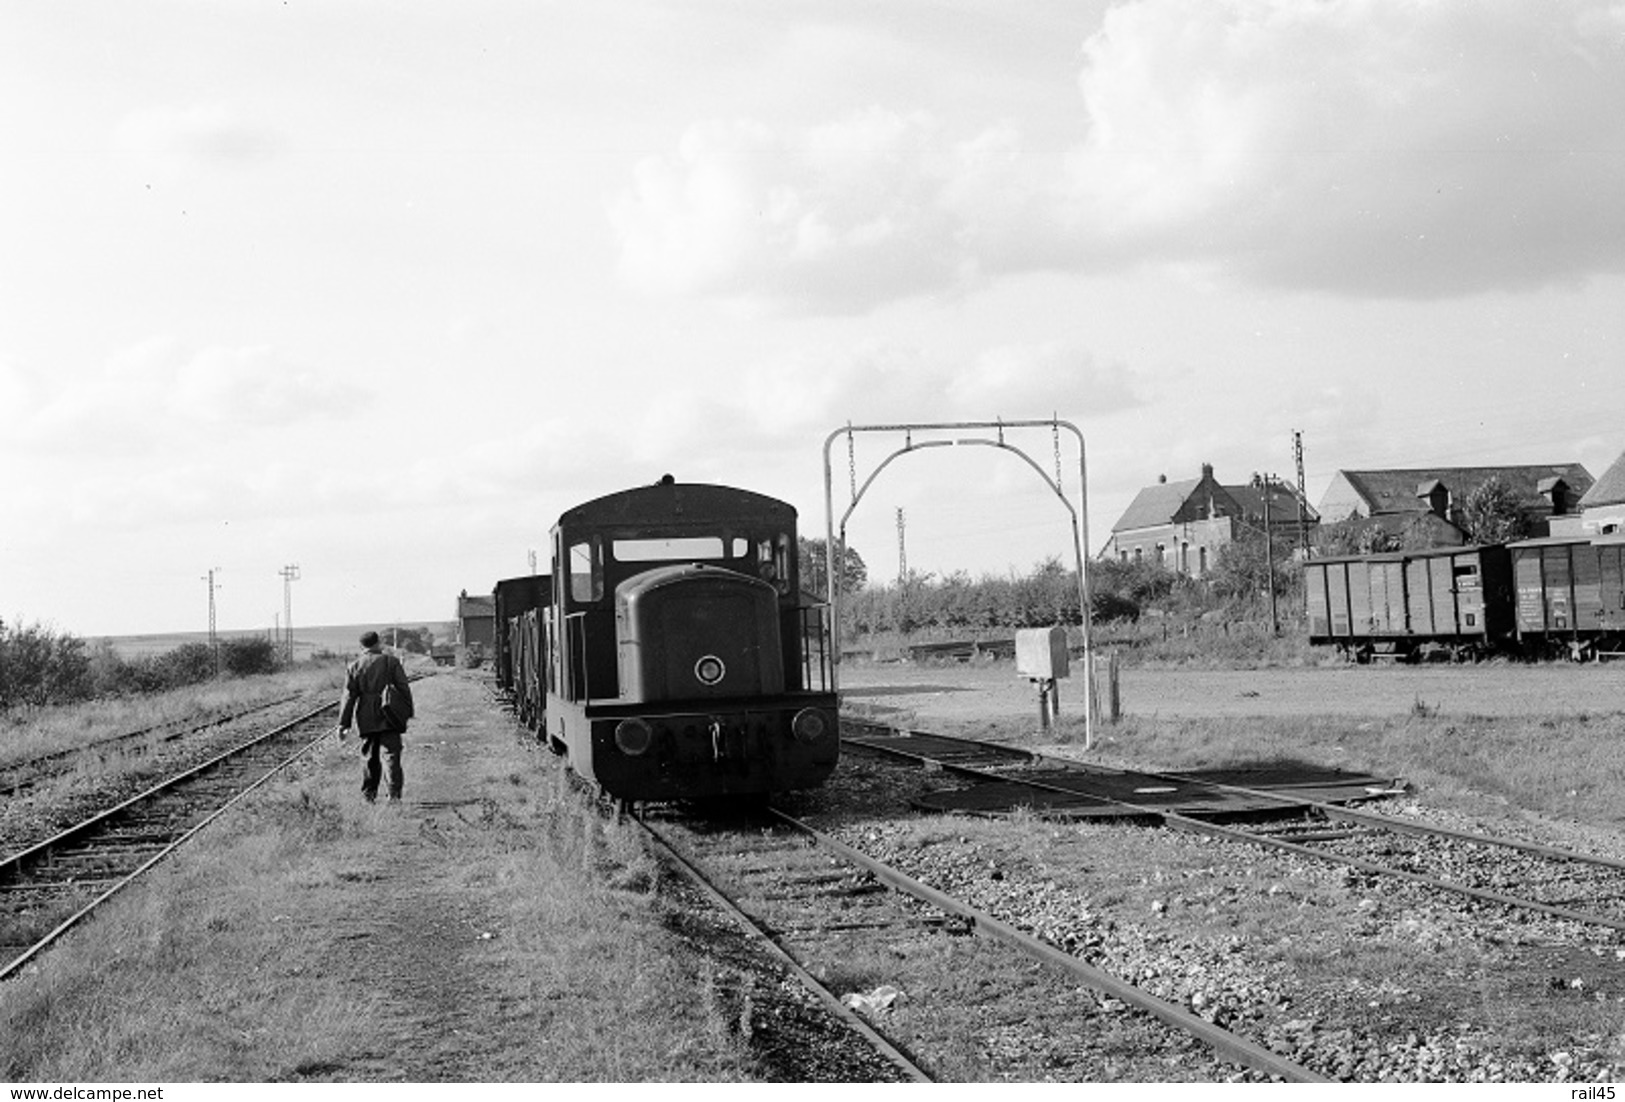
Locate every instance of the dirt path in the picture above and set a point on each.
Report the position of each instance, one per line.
(405, 922)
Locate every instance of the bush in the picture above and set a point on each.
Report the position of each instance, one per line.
(40, 667)
(248, 657)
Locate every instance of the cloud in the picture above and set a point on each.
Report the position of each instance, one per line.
(161, 391)
(1366, 147)
(835, 218)
(211, 134)
(1369, 148)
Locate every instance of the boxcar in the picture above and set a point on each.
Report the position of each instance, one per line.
(1455, 599)
(1570, 594)
(511, 598)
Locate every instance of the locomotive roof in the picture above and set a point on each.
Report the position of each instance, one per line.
(677, 504)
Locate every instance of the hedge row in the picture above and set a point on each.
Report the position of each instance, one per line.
(39, 667)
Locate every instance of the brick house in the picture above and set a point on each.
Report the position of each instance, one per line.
(1182, 525)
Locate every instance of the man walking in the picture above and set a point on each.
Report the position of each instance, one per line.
(364, 684)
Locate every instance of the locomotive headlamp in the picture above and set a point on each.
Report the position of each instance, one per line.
(710, 670)
(810, 725)
(633, 736)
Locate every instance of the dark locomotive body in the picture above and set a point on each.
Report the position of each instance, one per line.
(674, 657)
(1554, 596)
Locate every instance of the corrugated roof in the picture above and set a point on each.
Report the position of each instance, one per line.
(1395, 491)
(1609, 489)
(1156, 505)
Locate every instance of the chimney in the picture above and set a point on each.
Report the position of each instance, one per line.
(1207, 470)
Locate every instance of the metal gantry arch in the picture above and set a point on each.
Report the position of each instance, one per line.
(835, 534)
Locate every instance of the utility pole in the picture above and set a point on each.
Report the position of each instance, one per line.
(290, 574)
(902, 550)
(214, 638)
(1303, 521)
(1267, 481)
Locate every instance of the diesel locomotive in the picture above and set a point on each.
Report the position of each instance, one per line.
(670, 653)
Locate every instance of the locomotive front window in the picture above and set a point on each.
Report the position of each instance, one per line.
(686, 548)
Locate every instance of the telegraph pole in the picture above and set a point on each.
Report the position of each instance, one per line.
(1268, 481)
(214, 638)
(290, 574)
(1303, 521)
(902, 550)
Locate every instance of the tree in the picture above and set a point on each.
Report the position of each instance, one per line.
(1492, 513)
(814, 567)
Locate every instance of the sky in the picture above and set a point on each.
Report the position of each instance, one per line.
(378, 290)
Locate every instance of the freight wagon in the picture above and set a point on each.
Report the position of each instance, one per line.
(1559, 596)
(1456, 600)
(1570, 595)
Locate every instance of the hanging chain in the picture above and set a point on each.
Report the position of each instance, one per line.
(1055, 428)
(851, 463)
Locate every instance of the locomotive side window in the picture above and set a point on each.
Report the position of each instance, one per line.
(586, 573)
(773, 562)
(690, 548)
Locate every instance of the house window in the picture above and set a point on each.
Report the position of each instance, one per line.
(1184, 558)
(1201, 561)
(1137, 551)
(1162, 555)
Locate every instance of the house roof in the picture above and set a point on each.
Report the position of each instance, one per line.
(1396, 491)
(1283, 502)
(1609, 489)
(1156, 505)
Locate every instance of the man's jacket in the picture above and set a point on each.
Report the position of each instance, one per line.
(364, 685)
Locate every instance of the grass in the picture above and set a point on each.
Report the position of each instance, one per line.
(270, 951)
(1566, 767)
(30, 732)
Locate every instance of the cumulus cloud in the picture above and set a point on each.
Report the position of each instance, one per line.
(1363, 147)
(837, 217)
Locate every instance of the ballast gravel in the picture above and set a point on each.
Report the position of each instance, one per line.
(1359, 978)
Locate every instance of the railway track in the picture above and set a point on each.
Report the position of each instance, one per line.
(52, 885)
(1563, 884)
(22, 776)
(822, 903)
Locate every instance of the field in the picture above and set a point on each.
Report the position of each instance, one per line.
(307, 642)
(1492, 689)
